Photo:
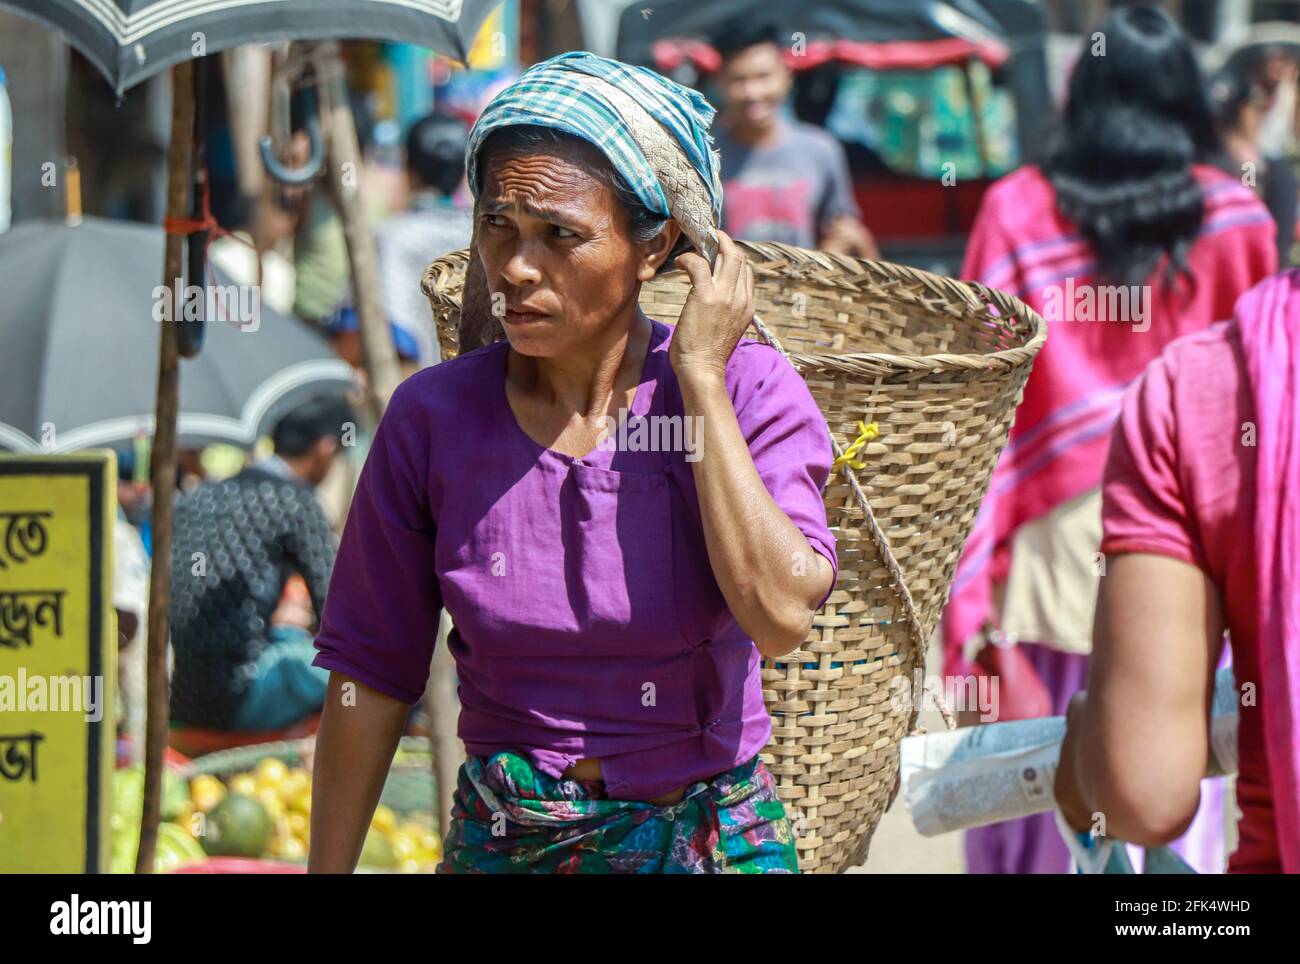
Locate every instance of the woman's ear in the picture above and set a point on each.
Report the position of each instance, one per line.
(656, 251)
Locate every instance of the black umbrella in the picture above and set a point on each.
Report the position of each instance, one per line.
(130, 40)
(78, 322)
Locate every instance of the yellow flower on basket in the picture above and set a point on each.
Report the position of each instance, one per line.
(865, 434)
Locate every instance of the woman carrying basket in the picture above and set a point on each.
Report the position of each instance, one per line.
(621, 518)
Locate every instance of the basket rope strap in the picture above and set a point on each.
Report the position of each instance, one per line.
(688, 200)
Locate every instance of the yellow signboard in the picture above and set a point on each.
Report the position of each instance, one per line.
(57, 661)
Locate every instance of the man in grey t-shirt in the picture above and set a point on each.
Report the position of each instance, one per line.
(783, 180)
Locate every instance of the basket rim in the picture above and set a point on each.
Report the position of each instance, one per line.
(442, 275)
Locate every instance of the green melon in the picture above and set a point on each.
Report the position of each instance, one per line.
(238, 826)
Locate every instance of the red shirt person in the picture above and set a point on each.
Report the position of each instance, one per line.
(1201, 532)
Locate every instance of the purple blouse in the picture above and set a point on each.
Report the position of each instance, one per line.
(588, 622)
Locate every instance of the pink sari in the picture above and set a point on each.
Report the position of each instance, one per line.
(1268, 319)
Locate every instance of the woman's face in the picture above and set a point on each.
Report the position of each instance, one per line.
(555, 240)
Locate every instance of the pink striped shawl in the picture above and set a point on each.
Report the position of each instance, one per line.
(1021, 244)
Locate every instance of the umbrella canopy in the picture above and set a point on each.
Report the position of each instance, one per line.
(130, 40)
(81, 346)
(881, 34)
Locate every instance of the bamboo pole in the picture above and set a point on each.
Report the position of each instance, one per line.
(379, 357)
(443, 706)
(162, 468)
(343, 155)
(248, 103)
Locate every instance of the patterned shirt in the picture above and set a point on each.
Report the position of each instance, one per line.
(236, 543)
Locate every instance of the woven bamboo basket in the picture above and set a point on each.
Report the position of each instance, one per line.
(939, 366)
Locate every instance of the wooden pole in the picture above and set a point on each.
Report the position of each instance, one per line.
(379, 358)
(248, 102)
(343, 156)
(162, 468)
(444, 708)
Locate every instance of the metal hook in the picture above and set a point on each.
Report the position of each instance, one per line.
(307, 173)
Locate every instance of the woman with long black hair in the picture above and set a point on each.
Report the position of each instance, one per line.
(1124, 237)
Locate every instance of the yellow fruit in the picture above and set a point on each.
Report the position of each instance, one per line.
(377, 853)
(268, 798)
(409, 866)
(298, 824)
(294, 849)
(415, 831)
(384, 820)
(295, 783)
(245, 784)
(182, 818)
(302, 803)
(271, 772)
(404, 848)
(206, 791)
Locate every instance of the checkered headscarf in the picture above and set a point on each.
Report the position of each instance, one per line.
(558, 93)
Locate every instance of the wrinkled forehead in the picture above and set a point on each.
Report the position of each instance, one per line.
(557, 149)
(559, 182)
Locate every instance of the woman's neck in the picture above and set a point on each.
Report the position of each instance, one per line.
(583, 382)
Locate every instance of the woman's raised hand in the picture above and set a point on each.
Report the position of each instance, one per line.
(717, 311)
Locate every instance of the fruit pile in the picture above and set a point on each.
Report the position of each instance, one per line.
(176, 845)
(262, 813)
(411, 846)
(265, 813)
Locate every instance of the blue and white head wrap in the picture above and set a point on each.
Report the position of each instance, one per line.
(558, 93)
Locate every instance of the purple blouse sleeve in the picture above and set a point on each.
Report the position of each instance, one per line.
(380, 621)
(788, 441)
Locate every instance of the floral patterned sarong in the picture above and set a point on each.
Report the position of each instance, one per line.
(509, 817)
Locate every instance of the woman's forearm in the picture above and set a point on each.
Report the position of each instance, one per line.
(1137, 746)
(359, 732)
(770, 576)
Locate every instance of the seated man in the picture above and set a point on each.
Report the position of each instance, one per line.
(237, 543)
